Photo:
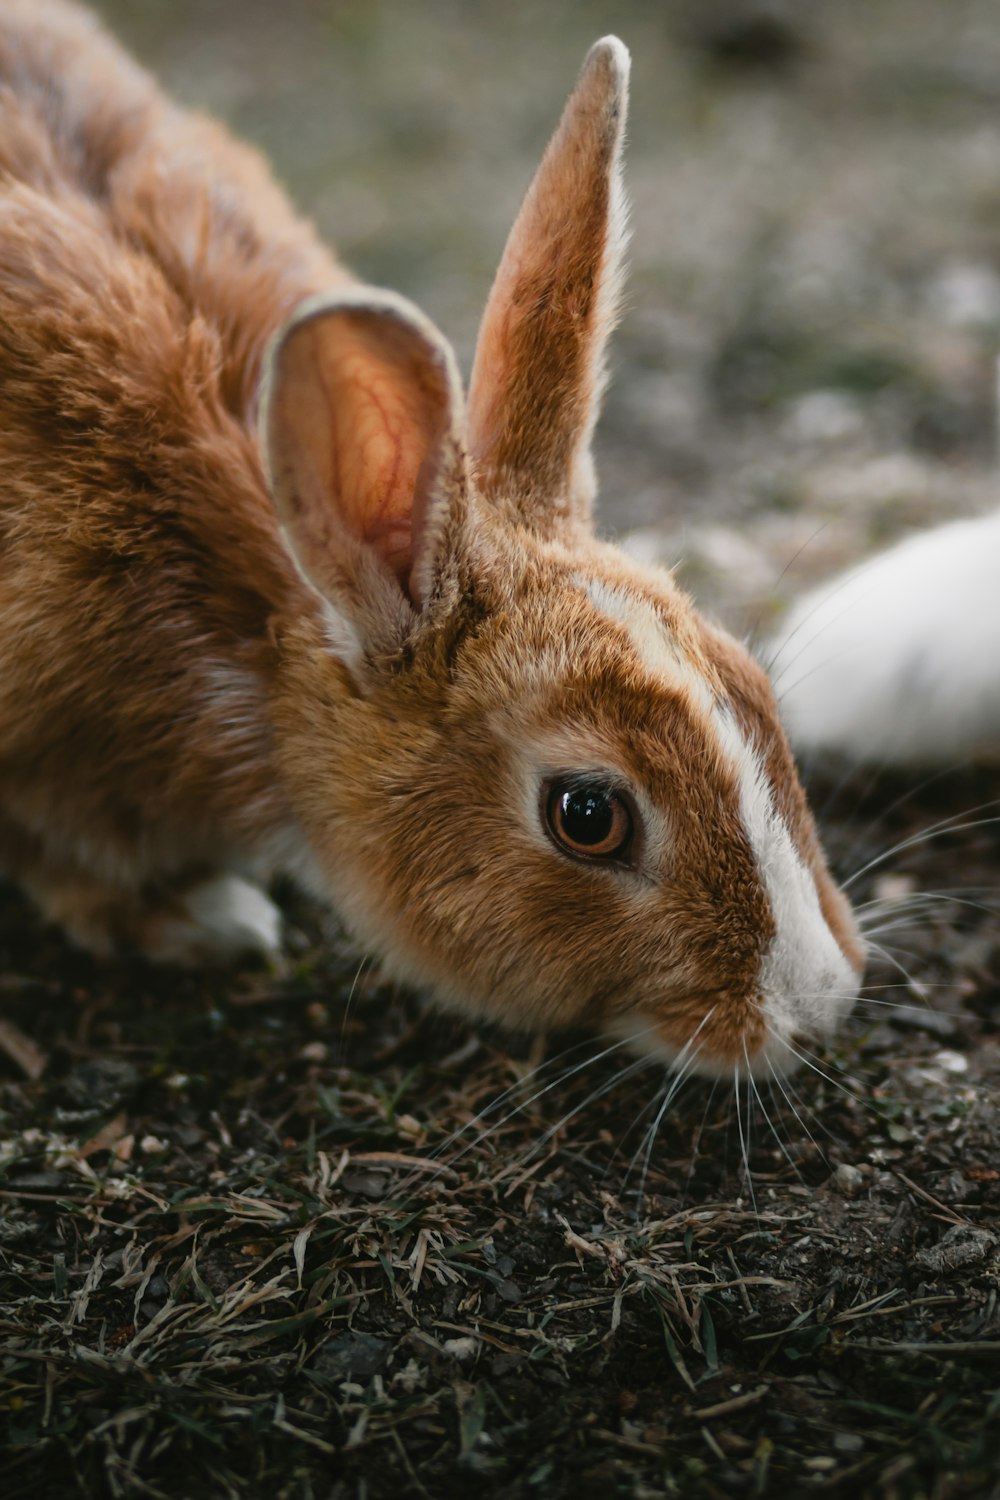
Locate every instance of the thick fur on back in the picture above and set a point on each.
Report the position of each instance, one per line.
(147, 259)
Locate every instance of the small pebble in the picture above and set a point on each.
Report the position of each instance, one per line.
(462, 1349)
(847, 1179)
(317, 1052)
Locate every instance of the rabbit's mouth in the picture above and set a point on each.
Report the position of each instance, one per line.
(738, 1040)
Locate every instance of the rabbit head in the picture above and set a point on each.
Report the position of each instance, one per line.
(533, 778)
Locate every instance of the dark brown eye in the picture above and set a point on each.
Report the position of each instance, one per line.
(590, 821)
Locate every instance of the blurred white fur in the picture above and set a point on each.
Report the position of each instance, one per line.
(898, 660)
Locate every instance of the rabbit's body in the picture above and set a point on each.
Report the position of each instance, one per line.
(147, 259)
(929, 691)
(525, 771)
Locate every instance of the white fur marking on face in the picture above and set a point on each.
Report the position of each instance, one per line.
(806, 982)
(654, 648)
(343, 640)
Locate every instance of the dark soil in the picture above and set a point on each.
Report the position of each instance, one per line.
(258, 1237)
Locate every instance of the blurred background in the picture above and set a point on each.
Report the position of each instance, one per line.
(806, 367)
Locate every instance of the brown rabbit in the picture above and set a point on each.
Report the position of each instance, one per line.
(377, 646)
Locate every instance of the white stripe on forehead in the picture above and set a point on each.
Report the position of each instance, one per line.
(661, 656)
(804, 967)
(804, 981)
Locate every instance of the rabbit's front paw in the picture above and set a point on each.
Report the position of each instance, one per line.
(204, 919)
(218, 920)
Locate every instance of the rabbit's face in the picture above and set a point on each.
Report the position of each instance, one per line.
(540, 785)
(572, 802)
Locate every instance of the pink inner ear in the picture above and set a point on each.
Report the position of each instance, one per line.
(361, 407)
(379, 439)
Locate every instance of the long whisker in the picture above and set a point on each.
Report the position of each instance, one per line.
(749, 1119)
(645, 1147)
(910, 795)
(906, 922)
(804, 1108)
(783, 688)
(897, 984)
(744, 1148)
(365, 962)
(813, 1063)
(798, 1116)
(526, 1104)
(916, 985)
(519, 1083)
(844, 780)
(773, 1128)
(636, 1066)
(936, 830)
(774, 588)
(696, 1143)
(821, 603)
(960, 896)
(899, 1004)
(681, 1069)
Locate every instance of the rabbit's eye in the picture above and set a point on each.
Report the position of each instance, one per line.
(592, 822)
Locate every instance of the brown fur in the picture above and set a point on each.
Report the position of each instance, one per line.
(538, 359)
(370, 696)
(135, 533)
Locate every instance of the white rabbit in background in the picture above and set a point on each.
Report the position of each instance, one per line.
(897, 660)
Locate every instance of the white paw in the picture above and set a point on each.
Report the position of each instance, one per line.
(218, 921)
(899, 659)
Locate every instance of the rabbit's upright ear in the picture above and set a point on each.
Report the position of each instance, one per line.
(362, 427)
(538, 374)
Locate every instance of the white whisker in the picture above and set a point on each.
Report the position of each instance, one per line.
(679, 1077)
(813, 1063)
(526, 1104)
(935, 830)
(773, 1128)
(801, 1122)
(634, 1067)
(744, 1144)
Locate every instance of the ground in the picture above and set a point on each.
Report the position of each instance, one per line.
(294, 1235)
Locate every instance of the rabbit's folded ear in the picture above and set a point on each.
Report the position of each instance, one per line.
(538, 373)
(362, 427)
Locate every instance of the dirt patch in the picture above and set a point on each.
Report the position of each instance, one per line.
(257, 1237)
